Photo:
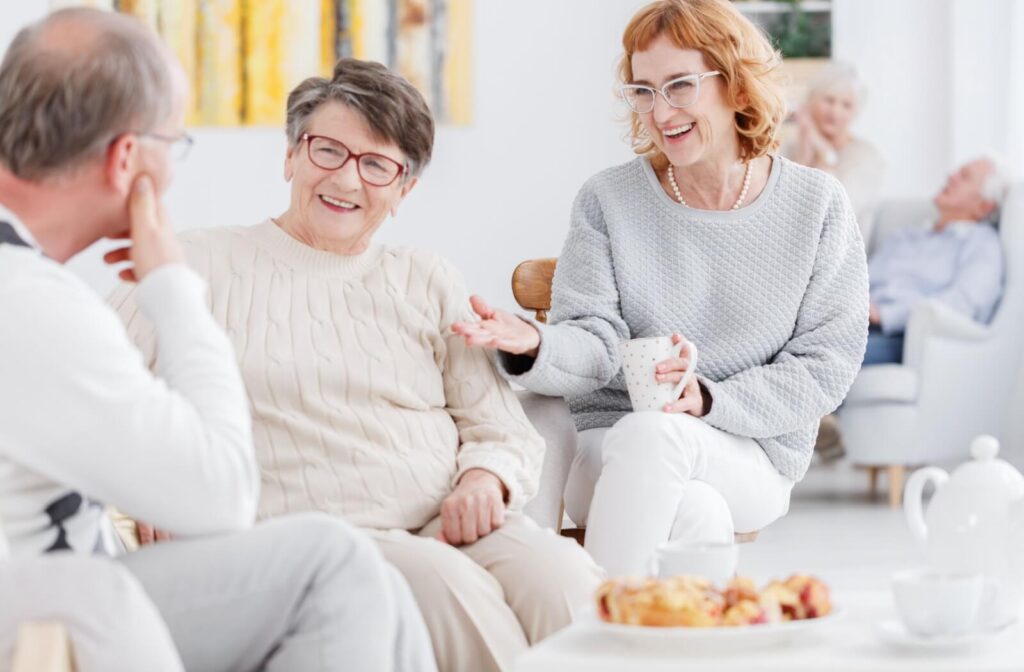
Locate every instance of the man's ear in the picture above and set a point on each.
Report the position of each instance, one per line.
(120, 163)
(406, 188)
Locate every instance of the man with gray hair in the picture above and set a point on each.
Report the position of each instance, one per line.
(91, 108)
(957, 259)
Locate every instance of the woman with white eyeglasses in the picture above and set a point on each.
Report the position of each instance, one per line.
(711, 238)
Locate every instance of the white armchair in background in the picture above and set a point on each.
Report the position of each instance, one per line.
(957, 377)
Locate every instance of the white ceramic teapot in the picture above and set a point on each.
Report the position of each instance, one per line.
(974, 524)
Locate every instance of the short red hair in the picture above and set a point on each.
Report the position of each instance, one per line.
(732, 45)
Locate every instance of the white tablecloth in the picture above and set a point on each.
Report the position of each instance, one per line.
(850, 642)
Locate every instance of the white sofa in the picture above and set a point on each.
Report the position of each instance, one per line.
(957, 377)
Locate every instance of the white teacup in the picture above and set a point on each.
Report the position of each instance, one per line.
(713, 561)
(639, 357)
(933, 604)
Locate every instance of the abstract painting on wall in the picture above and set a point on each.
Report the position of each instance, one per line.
(244, 56)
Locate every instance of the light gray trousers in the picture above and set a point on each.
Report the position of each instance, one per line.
(112, 623)
(296, 593)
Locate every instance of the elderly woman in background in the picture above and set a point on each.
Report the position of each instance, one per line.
(365, 404)
(709, 237)
(824, 140)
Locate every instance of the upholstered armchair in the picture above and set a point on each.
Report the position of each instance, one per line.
(957, 378)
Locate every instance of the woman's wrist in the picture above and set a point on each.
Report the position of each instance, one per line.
(532, 342)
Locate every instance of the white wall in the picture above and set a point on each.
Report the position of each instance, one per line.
(945, 79)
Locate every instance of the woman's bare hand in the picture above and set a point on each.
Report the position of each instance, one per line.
(498, 330)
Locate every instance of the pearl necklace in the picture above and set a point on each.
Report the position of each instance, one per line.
(735, 206)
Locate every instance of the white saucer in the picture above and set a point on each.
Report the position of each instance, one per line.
(894, 632)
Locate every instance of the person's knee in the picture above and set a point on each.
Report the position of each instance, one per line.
(552, 570)
(440, 575)
(703, 515)
(336, 547)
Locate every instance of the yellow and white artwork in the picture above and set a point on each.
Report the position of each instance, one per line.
(244, 56)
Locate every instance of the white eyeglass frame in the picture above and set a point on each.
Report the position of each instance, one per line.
(695, 78)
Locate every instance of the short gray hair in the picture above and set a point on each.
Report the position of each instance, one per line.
(395, 111)
(836, 75)
(63, 101)
(997, 183)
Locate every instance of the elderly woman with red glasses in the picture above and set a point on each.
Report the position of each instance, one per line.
(366, 405)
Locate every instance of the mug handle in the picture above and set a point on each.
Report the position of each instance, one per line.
(681, 385)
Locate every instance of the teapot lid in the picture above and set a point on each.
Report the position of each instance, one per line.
(987, 476)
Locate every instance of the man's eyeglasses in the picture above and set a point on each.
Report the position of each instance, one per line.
(680, 92)
(180, 144)
(329, 154)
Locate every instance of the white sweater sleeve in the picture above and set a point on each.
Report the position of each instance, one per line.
(494, 432)
(174, 450)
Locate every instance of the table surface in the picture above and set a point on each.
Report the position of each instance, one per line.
(850, 642)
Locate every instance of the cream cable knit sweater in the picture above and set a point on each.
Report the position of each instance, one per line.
(365, 405)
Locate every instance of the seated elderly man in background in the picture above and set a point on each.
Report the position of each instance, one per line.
(954, 258)
(957, 260)
(365, 404)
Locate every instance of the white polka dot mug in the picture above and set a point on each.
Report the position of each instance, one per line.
(639, 357)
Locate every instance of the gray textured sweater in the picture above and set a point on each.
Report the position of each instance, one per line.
(775, 295)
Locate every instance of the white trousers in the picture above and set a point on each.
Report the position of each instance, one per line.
(658, 476)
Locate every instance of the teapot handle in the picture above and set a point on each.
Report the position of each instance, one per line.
(914, 495)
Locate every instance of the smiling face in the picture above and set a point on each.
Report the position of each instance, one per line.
(704, 131)
(334, 209)
(833, 111)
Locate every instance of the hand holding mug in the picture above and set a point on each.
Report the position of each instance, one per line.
(659, 373)
(680, 369)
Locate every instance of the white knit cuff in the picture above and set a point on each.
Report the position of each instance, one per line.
(543, 377)
(169, 294)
